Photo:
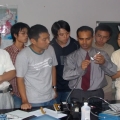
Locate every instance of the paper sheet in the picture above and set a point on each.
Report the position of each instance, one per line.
(115, 107)
(48, 112)
(20, 114)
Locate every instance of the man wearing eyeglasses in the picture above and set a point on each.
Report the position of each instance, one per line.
(102, 35)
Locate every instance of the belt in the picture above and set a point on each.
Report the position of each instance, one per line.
(92, 90)
(4, 91)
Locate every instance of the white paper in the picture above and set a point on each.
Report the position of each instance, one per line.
(48, 112)
(20, 114)
(115, 107)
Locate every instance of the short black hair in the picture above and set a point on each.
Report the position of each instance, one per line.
(103, 27)
(16, 28)
(36, 30)
(85, 28)
(58, 25)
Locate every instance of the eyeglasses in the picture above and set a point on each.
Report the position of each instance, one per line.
(103, 37)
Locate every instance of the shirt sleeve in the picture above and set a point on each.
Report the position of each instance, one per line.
(71, 70)
(21, 64)
(54, 63)
(108, 67)
(115, 59)
(8, 65)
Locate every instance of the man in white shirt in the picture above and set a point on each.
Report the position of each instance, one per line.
(116, 60)
(7, 72)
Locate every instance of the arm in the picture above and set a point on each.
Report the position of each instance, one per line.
(7, 68)
(106, 64)
(115, 59)
(21, 70)
(7, 76)
(53, 76)
(72, 70)
(21, 87)
(117, 75)
(54, 79)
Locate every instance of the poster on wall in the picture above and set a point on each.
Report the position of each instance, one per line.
(8, 17)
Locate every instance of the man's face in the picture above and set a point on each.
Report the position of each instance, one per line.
(118, 40)
(43, 41)
(85, 39)
(101, 37)
(22, 36)
(63, 36)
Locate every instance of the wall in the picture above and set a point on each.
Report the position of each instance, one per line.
(75, 12)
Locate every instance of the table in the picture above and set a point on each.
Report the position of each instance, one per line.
(69, 117)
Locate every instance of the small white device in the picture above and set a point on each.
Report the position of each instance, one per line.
(92, 58)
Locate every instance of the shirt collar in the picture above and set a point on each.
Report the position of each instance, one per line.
(15, 48)
(85, 52)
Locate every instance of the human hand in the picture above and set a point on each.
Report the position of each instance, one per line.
(26, 106)
(85, 64)
(99, 59)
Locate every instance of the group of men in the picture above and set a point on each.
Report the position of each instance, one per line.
(46, 71)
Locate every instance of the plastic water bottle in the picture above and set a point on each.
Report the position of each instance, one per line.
(85, 112)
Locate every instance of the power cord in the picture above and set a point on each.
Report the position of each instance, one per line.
(70, 94)
(114, 109)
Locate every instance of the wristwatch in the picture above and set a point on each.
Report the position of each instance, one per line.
(54, 87)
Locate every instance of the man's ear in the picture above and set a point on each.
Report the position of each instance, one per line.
(33, 41)
(15, 35)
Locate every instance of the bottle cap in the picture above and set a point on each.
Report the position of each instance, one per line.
(85, 103)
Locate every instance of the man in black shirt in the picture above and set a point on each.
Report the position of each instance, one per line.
(63, 45)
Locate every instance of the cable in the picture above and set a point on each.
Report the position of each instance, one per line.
(71, 93)
(114, 109)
